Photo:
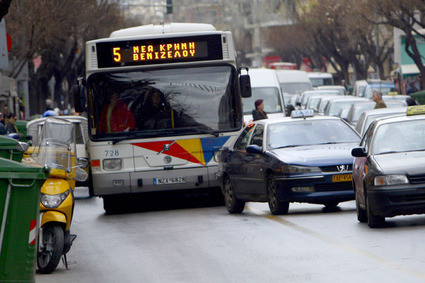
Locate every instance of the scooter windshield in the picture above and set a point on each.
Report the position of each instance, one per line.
(57, 145)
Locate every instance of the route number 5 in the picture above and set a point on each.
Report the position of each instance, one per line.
(117, 54)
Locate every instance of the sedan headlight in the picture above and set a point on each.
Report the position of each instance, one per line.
(53, 201)
(293, 169)
(112, 164)
(390, 180)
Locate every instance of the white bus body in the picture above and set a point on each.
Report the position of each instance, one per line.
(193, 67)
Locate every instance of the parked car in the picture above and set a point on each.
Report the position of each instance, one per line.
(320, 78)
(368, 116)
(386, 87)
(302, 102)
(301, 158)
(399, 98)
(336, 104)
(321, 106)
(358, 87)
(340, 88)
(358, 108)
(313, 102)
(389, 168)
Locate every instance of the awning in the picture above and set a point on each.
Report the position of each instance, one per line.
(407, 70)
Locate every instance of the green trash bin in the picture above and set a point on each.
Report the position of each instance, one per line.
(11, 149)
(19, 216)
(22, 128)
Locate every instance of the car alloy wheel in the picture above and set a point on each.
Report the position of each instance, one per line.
(233, 204)
(276, 207)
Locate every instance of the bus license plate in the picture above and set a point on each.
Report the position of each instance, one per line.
(169, 180)
(342, 178)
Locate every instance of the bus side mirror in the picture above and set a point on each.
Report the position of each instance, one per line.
(245, 85)
(79, 98)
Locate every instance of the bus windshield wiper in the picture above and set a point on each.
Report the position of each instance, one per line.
(206, 131)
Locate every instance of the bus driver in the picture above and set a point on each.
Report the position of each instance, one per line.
(115, 115)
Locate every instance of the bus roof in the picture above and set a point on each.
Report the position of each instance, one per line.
(162, 29)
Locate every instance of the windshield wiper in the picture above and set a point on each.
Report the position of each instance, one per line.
(390, 152)
(285, 146)
(126, 137)
(207, 131)
(329, 143)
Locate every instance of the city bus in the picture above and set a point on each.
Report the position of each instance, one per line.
(161, 101)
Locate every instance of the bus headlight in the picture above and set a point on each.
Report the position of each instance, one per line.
(112, 164)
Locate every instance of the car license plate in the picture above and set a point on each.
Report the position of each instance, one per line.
(169, 180)
(342, 178)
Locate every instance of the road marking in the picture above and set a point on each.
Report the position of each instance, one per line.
(335, 242)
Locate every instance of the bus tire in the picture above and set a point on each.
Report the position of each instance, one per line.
(111, 204)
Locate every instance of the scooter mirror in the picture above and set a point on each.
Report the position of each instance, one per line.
(83, 162)
(80, 175)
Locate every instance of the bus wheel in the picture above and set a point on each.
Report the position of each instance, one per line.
(111, 204)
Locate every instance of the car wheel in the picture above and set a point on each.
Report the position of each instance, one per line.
(233, 204)
(373, 221)
(361, 214)
(276, 207)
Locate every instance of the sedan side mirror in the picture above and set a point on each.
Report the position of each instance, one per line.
(254, 149)
(358, 152)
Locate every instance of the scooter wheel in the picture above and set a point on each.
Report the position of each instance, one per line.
(49, 255)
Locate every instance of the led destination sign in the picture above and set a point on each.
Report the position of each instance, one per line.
(159, 51)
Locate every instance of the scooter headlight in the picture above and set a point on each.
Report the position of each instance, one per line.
(53, 201)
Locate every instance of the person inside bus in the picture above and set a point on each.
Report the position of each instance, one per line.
(157, 112)
(258, 113)
(115, 115)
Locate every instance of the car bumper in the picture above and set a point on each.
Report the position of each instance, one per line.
(319, 190)
(397, 200)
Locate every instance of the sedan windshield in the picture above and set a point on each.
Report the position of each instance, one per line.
(310, 132)
(180, 101)
(399, 137)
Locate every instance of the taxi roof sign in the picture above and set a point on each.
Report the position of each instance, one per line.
(302, 113)
(415, 110)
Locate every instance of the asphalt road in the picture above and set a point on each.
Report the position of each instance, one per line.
(189, 238)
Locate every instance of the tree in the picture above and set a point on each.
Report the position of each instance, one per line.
(56, 32)
(406, 15)
(335, 31)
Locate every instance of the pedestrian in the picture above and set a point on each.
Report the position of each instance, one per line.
(377, 97)
(258, 113)
(11, 124)
(3, 130)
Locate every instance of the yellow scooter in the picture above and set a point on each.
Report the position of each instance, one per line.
(56, 152)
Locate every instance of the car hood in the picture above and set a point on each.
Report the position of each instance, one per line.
(317, 155)
(410, 163)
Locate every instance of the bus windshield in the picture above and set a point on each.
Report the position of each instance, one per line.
(150, 103)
